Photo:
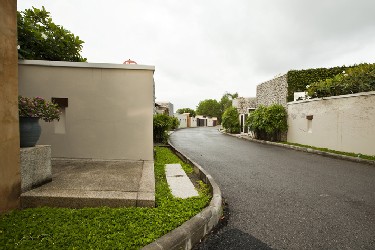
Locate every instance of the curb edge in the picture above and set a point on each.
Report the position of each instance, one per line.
(303, 149)
(192, 231)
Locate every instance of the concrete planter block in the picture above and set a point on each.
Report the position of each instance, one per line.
(35, 166)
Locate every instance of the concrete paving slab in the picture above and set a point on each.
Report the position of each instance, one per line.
(92, 183)
(179, 182)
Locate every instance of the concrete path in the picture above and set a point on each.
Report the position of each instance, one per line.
(284, 199)
(88, 183)
(179, 183)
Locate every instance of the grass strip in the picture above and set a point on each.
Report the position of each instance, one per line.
(103, 228)
(362, 156)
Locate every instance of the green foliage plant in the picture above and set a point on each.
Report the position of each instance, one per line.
(38, 107)
(231, 121)
(360, 78)
(174, 122)
(163, 123)
(103, 227)
(226, 101)
(187, 110)
(268, 123)
(41, 39)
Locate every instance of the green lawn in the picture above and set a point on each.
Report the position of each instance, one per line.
(103, 228)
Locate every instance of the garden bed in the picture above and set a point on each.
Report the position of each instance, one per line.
(104, 228)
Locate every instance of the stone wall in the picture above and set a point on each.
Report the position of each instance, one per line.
(243, 104)
(10, 180)
(273, 92)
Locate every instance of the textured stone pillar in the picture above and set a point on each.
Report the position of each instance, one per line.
(10, 179)
(36, 167)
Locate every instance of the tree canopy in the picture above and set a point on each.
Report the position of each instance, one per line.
(209, 107)
(187, 110)
(226, 101)
(41, 39)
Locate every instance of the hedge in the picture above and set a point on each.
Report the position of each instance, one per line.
(299, 79)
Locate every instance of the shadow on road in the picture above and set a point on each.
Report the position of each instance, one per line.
(232, 239)
(223, 237)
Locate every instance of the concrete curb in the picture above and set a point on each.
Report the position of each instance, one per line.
(192, 231)
(303, 149)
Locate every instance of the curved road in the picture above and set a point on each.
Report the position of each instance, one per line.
(284, 199)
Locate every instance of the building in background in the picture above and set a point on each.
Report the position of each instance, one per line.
(244, 106)
(164, 108)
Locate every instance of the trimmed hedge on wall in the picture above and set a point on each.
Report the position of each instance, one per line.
(299, 79)
(360, 78)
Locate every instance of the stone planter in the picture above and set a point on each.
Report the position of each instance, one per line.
(35, 166)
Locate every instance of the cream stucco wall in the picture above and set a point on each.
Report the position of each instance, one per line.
(109, 113)
(10, 178)
(343, 123)
(193, 122)
(183, 119)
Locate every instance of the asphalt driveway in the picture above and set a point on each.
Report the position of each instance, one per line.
(284, 199)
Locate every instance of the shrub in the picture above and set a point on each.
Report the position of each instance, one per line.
(358, 79)
(230, 120)
(174, 122)
(162, 124)
(268, 123)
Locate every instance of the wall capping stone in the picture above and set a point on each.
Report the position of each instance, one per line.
(333, 97)
(85, 65)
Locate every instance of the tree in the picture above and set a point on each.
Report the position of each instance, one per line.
(230, 120)
(226, 101)
(187, 110)
(40, 39)
(209, 107)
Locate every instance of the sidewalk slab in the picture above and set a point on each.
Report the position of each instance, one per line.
(80, 183)
(179, 182)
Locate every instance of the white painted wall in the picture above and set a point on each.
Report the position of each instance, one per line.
(182, 118)
(210, 121)
(193, 122)
(343, 123)
(110, 109)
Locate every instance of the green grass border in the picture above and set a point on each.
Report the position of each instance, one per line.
(104, 228)
(357, 155)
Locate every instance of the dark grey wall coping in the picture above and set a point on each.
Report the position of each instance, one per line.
(192, 231)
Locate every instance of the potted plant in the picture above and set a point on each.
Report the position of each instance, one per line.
(30, 111)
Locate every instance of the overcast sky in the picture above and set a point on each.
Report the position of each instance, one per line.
(204, 48)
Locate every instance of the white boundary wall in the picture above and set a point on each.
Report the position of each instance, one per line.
(343, 123)
(109, 113)
(182, 118)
